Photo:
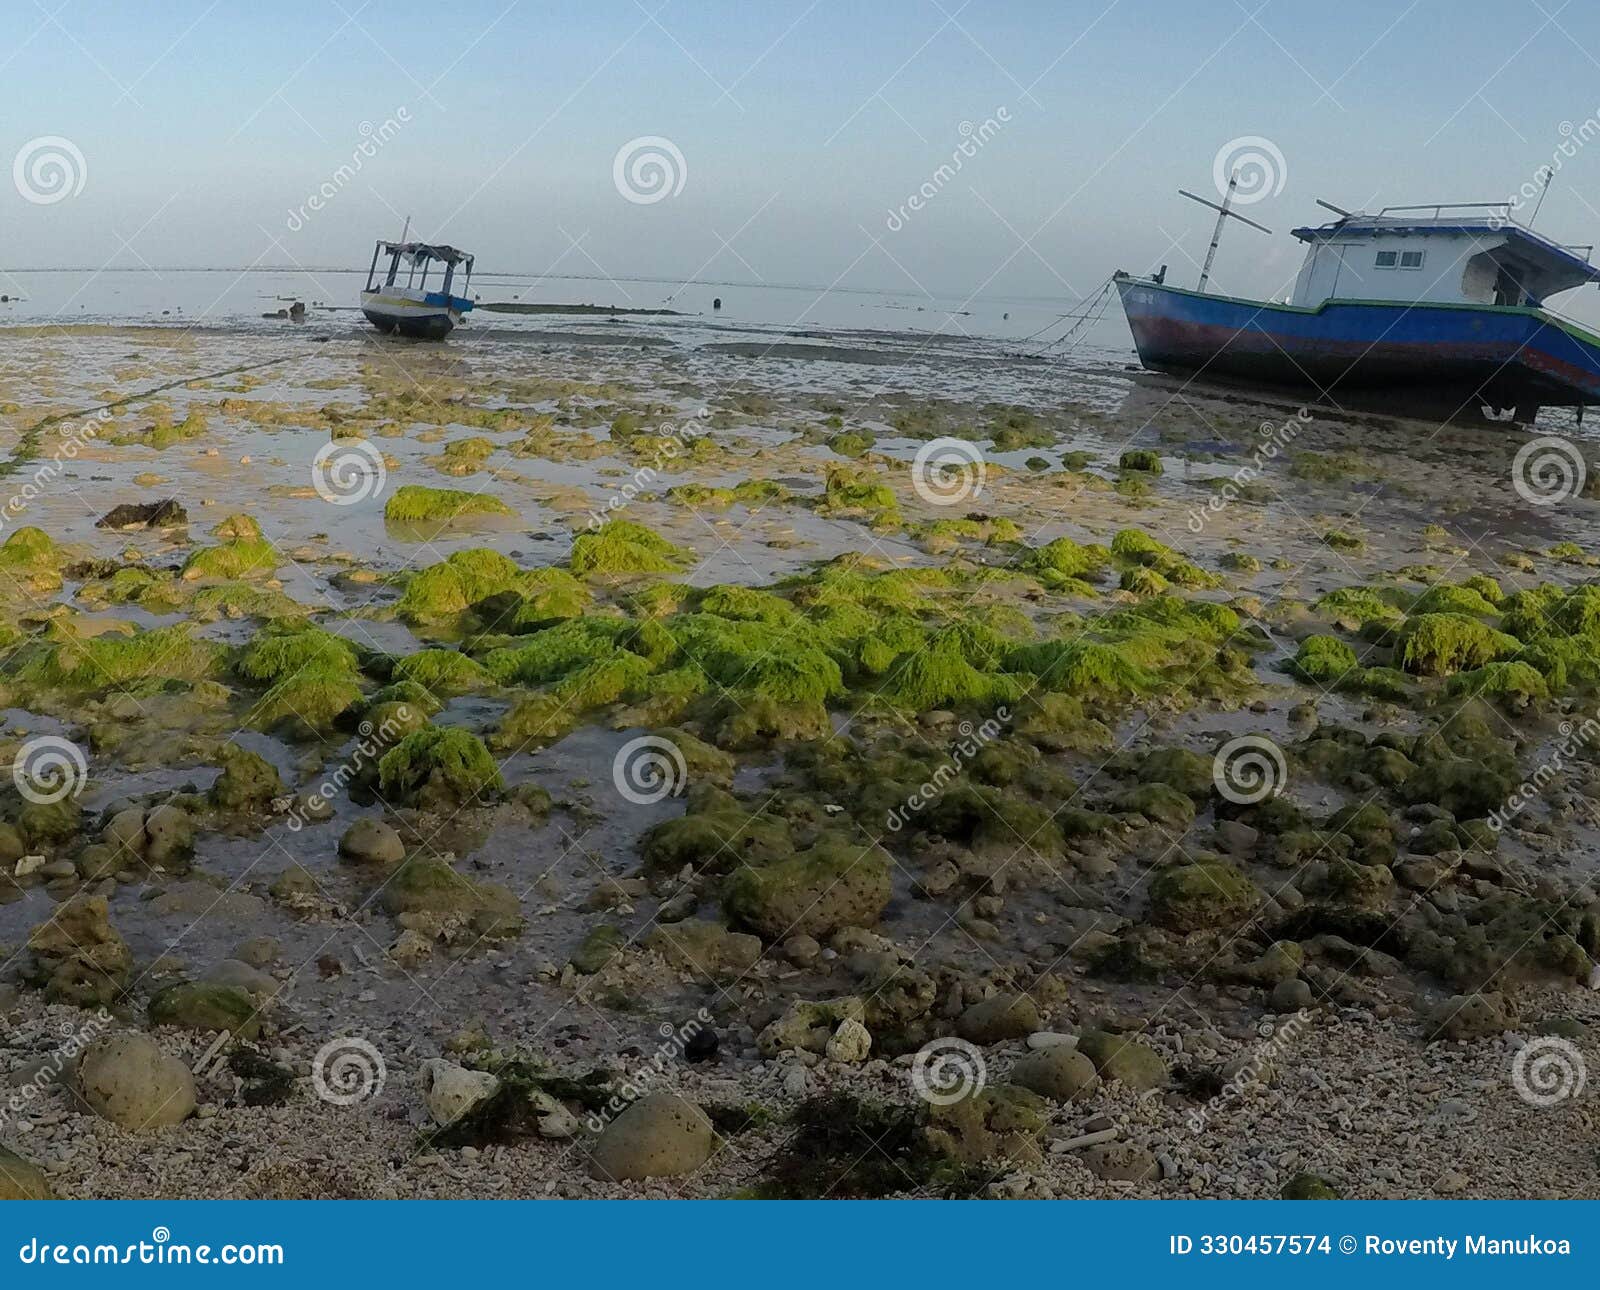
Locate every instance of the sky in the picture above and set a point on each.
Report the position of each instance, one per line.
(791, 138)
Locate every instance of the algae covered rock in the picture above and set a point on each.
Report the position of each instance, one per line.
(1006, 1016)
(128, 1079)
(1060, 1072)
(249, 782)
(21, 1179)
(1310, 1186)
(831, 885)
(1129, 1061)
(1196, 897)
(78, 956)
(417, 504)
(598, 949)
(428, 885)
(995, 1123)
(621, 546)
(660, 1136)
(198, 1006)
(706, 950)
(807, 1025)
(1470, 1016)
(371, 841)
(438, 768)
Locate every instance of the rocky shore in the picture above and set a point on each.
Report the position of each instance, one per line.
(439, 773)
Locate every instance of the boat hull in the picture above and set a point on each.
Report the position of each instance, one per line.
(422, 316)
(1410, 358)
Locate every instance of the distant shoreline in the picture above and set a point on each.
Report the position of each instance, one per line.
(609, 311)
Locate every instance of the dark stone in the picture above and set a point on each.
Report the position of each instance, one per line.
(702, 1046)
(155, 515)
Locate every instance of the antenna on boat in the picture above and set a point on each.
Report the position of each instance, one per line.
(1549, 174)
(1223, 213)
(405, 230)
(1329, 206)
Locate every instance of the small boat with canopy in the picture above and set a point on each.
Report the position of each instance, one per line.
(401, 298)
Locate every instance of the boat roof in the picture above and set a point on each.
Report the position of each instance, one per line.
(426, 251)
(1477, 217)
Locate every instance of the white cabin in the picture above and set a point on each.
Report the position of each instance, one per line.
(1421, 254)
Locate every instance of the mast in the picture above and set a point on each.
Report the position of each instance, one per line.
(1223, 214)
(1216, 233)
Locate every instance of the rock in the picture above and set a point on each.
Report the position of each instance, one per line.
(78, 956)
(1058, 1072)
(553, 1119)
(1309, 1186)
(1291, 996)
(169, 836)
(1125, 1060)
(1044, 1039)
(200, 1006)
(411, 947)
(660, 1136)
(167, 513)
(599, 947)
(1006, 1016)
(1451, 1184)
(802, 951)
(451, 1091)
(1238, 839)
(241, 976)
(808, 1026)
(851, 1042)
(816, 892)
(1122, 1162)
(1201, 897)
(248, 781)
(1469, 1016)
(706, 950)
(126, 1078)
(998, 1123)
(124, 834)
(21, 1179)
(701, 1046)
(370, 841)
(258, 951)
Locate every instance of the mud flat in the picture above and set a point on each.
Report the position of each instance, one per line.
(515, 767)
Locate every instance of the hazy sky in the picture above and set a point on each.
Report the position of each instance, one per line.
(202, 126)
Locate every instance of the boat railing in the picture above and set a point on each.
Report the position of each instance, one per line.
(1438, 208)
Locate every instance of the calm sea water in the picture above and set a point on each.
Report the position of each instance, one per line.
(231, 298)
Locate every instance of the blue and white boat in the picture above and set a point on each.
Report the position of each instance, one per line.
(1433, 310)
(407, 305)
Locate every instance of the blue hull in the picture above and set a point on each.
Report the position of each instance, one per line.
(1418, 358)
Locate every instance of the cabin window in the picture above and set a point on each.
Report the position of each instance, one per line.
(1386, 259)
(1411, 259)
